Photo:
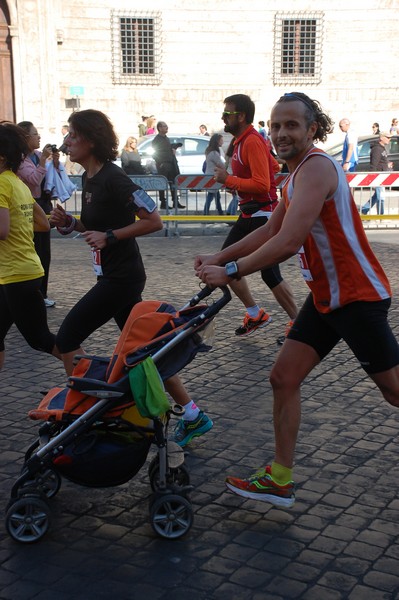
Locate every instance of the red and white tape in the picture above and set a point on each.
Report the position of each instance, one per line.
(207, 182)
(197, 182)
(372, 179)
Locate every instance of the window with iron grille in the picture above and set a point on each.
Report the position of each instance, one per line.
(298, 48)
(135, 48)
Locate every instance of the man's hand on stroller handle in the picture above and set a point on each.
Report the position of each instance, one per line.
(204, 259)
(205, 266)
(213, 276)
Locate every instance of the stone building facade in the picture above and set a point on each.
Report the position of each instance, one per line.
(178, 60)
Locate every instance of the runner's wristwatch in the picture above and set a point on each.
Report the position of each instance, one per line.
(111, 237)
(231, 269)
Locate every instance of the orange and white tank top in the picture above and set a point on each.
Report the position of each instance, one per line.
(336, 259)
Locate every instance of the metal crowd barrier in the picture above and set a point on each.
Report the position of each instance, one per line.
(152, 184)
(192, 189)
(363, 186)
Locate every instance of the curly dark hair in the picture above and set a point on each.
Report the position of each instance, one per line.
(94, 126)
(313, 113)
(13, 145)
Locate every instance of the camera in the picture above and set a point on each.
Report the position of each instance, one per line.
(54, 148)
(64, 149)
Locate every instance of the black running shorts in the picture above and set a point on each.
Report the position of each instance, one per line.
(362, 325)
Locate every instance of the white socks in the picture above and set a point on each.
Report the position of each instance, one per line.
(192, 411)
(253, 311)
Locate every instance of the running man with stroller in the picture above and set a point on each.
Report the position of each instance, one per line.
(350, 293)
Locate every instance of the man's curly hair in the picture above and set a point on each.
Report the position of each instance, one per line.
(314, 113)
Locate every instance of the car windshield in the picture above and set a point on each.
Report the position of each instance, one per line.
(337, 149)
(394, 145)
(363, 147)
(189, 145)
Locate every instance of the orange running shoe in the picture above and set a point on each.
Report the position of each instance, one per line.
(250, 325)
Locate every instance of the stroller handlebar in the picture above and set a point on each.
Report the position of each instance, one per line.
(207, 291)
(214, 308)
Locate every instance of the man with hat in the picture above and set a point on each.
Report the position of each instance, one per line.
(378, 162)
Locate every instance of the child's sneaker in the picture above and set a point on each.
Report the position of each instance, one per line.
(185, 431)
(261, 486)
(251, 325)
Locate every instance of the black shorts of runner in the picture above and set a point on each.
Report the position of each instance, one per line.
(362, 325)
(241, 228)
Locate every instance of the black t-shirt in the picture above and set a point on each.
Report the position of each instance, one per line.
(378, 157)
(107, 203)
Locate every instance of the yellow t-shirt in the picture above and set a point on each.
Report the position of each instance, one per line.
(18, 258)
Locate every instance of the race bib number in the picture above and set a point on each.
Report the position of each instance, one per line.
(96, 259)
(303, 263)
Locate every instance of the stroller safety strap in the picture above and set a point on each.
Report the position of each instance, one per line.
(148, 389)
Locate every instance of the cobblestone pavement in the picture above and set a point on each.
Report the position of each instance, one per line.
(341, 538)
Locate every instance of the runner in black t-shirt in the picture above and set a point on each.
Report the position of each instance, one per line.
(110, 204)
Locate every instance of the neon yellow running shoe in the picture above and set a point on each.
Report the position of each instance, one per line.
(261, 486)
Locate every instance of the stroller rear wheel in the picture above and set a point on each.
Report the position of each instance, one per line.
(27, 519)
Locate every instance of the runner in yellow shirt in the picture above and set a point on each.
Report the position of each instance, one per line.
(21, 271)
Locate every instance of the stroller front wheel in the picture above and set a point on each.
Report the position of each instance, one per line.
(171, 516)
(27, 519)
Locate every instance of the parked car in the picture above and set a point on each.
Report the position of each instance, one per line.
(190, 155)
(364, 143)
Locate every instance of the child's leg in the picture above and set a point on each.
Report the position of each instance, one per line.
(176, 389)
(194, 422)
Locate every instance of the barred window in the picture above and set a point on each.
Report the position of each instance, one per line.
(135, 48)
(298, 48)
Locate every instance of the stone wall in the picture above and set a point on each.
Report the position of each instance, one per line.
(208, 51)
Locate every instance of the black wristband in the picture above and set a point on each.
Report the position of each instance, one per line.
(111, 237)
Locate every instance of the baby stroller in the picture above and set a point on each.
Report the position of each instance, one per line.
(98, 430)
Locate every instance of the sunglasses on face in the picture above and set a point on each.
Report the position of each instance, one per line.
(227, 113)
